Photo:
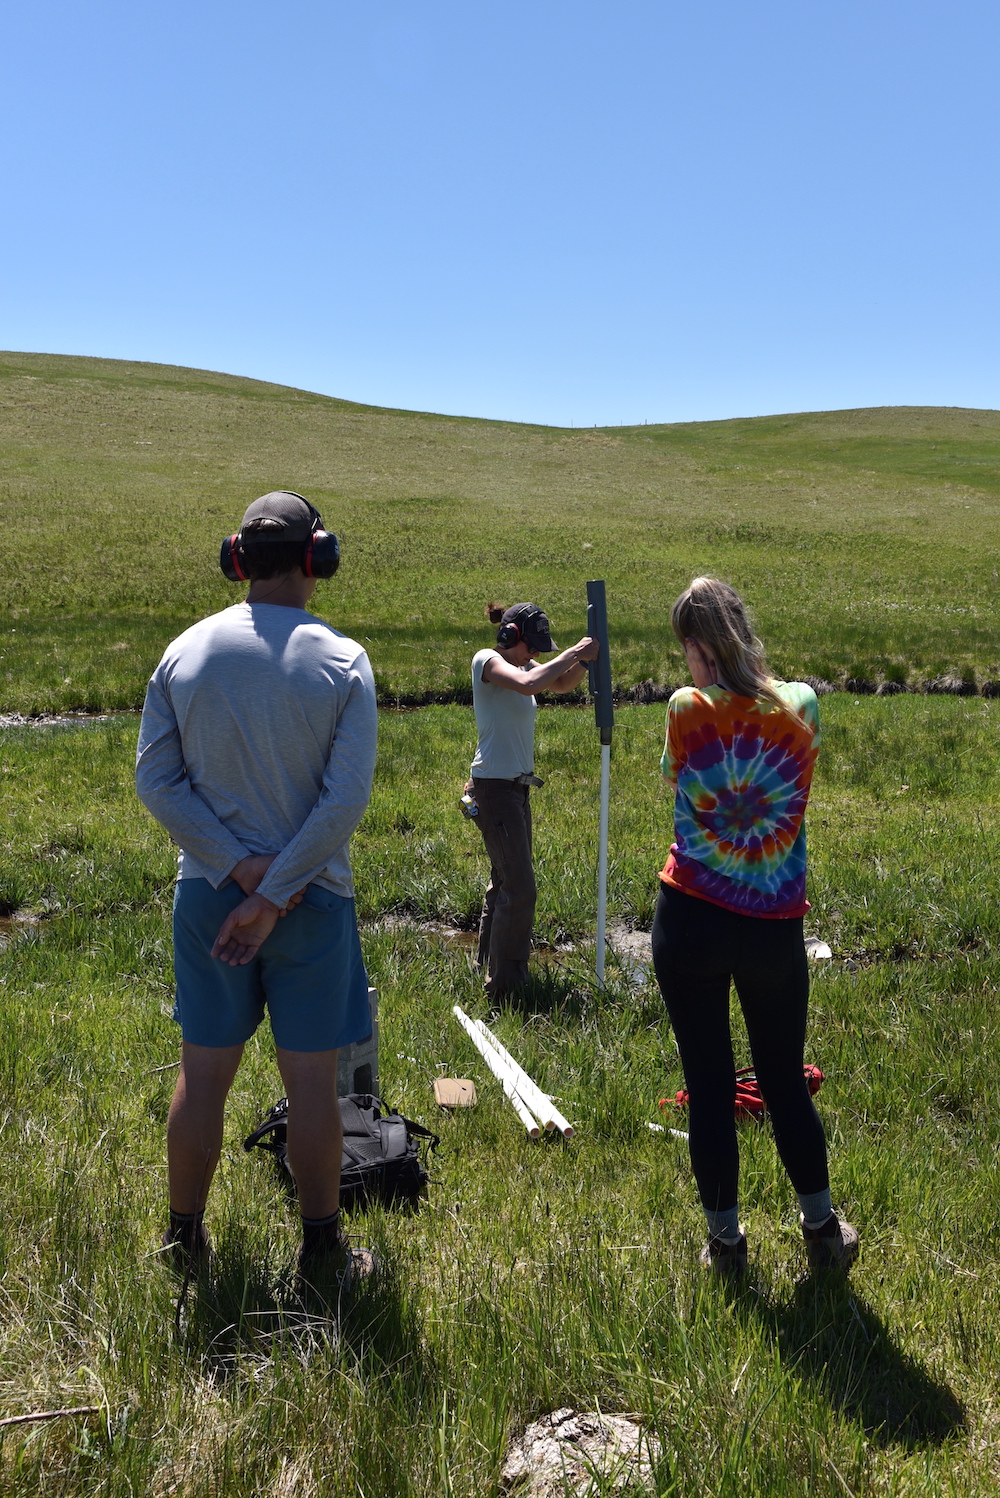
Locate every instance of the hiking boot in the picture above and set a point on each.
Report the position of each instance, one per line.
(328, 1260)
(719, 1257)
(343, 1267)
(834, 1245)
(186, 1245)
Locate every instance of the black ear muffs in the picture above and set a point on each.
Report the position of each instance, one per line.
(508, 635)
(231, 559)
(320, 555)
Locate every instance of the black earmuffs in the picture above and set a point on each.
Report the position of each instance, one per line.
(508, 635)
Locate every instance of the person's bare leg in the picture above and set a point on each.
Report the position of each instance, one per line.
(194, 1123)
(315, 1138)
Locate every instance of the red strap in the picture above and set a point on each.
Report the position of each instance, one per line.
(749, 1100)
(234, 557)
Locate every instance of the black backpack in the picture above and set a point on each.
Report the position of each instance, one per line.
(381, 1157)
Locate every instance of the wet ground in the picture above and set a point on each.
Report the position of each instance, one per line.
(15, 924)
(57, 720)
(628, 949)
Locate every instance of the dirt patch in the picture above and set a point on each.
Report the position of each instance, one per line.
(14, 923)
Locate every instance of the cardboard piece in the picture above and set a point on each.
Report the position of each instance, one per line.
(454, 1092)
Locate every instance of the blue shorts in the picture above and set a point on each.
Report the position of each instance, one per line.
(309, 973)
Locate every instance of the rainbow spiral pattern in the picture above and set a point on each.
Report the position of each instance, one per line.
(743, 770)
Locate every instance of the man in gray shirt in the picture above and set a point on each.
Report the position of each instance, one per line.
(256, 753)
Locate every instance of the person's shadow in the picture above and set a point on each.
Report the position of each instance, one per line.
(240, 1305)
(827, 1334)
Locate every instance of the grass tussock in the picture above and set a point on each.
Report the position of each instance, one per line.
(535, 1276)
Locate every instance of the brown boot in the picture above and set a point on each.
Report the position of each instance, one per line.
(722, 1258)
(832, 1246)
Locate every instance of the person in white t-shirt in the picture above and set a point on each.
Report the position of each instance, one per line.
(504, 681)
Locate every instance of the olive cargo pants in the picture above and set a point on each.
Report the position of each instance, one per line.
(509, 907)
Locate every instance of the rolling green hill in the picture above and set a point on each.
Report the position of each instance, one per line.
(865, 540)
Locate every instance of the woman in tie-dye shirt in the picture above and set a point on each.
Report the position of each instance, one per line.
(739, 756)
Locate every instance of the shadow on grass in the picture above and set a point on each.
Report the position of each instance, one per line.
(566, 990)
(827, 1334)
(238, 1309)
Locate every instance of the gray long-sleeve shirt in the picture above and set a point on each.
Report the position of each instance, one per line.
(258, 736)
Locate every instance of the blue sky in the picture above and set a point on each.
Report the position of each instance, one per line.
(551, 212)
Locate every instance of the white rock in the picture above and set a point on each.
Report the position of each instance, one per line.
(563, 1453)
(817, 950)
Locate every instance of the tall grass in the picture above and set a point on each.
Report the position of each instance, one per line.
(534, 1276)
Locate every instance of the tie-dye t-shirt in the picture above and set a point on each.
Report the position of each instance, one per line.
(743, 770)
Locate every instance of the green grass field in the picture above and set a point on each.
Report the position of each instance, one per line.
(865, 540)
(542, 1275)
(536, 1276)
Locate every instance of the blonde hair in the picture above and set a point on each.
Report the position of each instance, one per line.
(714, 614)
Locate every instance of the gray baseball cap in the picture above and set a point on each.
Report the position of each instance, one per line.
(296, 517)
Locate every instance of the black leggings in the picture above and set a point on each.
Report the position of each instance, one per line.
(697, 949)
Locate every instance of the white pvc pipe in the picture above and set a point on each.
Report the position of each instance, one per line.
(538, 1101)
(602, 859)
(532, 1125)
(541, 1105)
(506, 1070)
(500, 1071)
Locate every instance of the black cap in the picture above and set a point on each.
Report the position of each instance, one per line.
(533, 623)
(296, 517)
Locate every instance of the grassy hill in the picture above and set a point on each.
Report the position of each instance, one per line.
(864, 539)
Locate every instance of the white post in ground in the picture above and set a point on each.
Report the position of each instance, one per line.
(604, 713)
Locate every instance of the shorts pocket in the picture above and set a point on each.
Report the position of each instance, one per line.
(324, 900)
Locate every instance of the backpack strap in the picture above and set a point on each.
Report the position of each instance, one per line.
(274, 1124)
(393, 1131)
(422, 1133)
(352, 1117)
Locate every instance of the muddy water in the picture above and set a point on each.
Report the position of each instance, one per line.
(16, 924)
(629, 950)
(633, 953)
(468, 941)
(58, 720)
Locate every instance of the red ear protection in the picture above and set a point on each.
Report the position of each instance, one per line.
(320, 554)
(230, 558)
(508, 635)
